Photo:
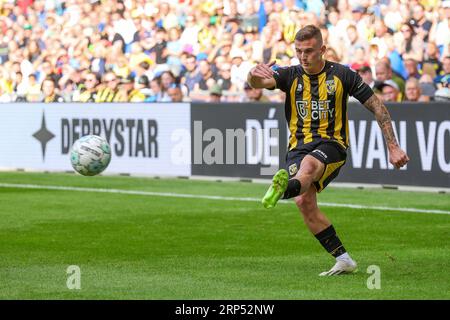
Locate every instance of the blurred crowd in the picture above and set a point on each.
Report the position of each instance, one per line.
(202, 50)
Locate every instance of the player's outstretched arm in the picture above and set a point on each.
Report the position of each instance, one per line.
(397, 156)
(261, 76)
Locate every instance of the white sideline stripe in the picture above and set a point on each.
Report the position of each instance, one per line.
(195, 196)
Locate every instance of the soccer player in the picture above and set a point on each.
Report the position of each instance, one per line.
(316, 110)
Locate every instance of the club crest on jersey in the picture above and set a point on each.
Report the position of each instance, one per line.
(299, 87)
(302, 108)
(331, 86)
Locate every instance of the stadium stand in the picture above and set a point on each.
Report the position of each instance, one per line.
(204, 44)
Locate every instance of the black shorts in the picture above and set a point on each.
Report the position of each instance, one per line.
(330, 153)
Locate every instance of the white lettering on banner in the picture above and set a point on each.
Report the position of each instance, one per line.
(254, 141)
(357, 145)
(231, 135)
(444, 127)
(198, 145)
(262, 143)
(376, 149)
(426, 148)
(254, 145)
(270, 141)
(374, 152)
(181, 151)
(213, 152)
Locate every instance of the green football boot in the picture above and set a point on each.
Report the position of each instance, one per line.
(276, 190)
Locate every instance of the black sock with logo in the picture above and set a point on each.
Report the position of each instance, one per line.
(330, 241)
(293, 189)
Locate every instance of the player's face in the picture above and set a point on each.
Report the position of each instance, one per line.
(310, 53)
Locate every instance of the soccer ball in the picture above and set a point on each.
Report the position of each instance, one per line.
(90, 155)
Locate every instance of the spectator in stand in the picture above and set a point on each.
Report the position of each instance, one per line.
(442, 95)
(352, 44)
(254, 94)
(390, 91)
(49, 91)
(110, 92)
(409, 43)
(89, 92)
(359, 59)
(5, 96)
(149, 37)
(207, 77)
(155, 94)
(383, 73)
(412, 68)
(140, 90)
(331, 55)
(420, 23)
(431, 59)
(381, 30)
(127, 85)
(413, 92)
(167, 80)
(192, 74)
(366, 74)
(33, 92)
(175, 93)
(445, 73)
(215, 94)
(427, 86)
(239, 69)
(224, 79)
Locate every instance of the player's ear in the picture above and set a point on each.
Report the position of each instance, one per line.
(323, 49)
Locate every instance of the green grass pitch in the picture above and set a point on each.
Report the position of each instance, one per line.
(152, 247)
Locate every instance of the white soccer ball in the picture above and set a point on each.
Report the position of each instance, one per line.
(90, 155)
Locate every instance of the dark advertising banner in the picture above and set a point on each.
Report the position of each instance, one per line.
(423, 130)
(237, 140)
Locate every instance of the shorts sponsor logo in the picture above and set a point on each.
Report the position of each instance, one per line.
(321, 154)
(293, 169)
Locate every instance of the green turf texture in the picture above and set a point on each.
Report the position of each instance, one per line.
(148, 247)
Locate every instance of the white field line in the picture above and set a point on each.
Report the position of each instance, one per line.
(195, 196)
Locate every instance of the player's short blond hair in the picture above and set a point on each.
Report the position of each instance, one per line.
(309, 32)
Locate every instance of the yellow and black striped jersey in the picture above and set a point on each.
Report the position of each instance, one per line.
(316, 104)
(109, 95)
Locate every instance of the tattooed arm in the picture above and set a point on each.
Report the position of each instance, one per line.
(397, 156)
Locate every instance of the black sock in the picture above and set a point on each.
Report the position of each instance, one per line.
(330, 241)
(293, 189)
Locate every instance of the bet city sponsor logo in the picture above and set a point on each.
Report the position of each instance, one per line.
(316, 110)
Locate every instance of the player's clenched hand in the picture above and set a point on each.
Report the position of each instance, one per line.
(263, 70)
(398, 157)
